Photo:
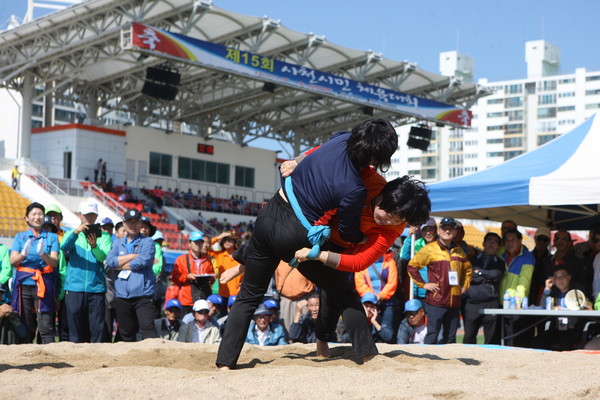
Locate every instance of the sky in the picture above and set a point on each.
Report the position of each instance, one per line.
(491, 32)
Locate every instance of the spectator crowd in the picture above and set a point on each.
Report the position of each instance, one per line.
(106, 282)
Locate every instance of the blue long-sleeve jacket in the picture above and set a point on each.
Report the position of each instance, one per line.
(276, 335)
(141, 281)
(85, 269)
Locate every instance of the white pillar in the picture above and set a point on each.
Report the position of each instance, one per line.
(26, 107)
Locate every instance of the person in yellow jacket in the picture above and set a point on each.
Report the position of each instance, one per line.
(449, 276)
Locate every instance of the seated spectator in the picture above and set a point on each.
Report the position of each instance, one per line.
(177, 194)
(223, 320)
(262, 331)
(580, 272)
(273, 306)
(200, 330)
(381, 333)
(381, 279)
(188, 195)
(413, 327)
(216, 304)
(169, 326)
(564, 334)
(303, 327)
(110, 186)
(12, 331)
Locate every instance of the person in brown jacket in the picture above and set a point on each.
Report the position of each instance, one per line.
(448, 275)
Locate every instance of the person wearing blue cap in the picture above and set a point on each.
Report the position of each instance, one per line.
(107, 225)
(382, 333)
(193, 273)
(216, 304)
(263, 331)
(413, 327)
(223, 320)
(133, 256)
(168, 327)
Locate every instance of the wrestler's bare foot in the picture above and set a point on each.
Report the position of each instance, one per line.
(323, 349)
(368, 358)
(223, 368)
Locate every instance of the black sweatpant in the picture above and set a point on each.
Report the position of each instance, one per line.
(277, 236)
(32, 318)
(85, 313)
(135, 314)
(473, 320)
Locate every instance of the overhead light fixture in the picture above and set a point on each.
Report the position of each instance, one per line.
(368, 110)
(419, 137)
(269, 87)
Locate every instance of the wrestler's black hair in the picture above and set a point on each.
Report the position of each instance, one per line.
(34, 205)
(373, 142)
(408, 198)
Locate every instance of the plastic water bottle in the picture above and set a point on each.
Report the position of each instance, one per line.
(525, 303)
(549, 303)
(562, 303)
(518, 302)
(512, 303)
(506, 301)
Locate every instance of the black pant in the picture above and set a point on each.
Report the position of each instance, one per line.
(32, 318)
(441, 318)
(135, 314)
(85, 313)
(473, 320)
(110, 317)
(277, 235)
(338, 296)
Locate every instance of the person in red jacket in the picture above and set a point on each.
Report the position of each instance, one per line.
(193, 273)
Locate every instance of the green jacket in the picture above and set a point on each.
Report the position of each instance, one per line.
(85, 269)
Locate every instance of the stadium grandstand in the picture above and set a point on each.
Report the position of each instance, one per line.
(174, 130)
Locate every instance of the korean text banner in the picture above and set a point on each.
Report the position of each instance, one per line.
(263, 68)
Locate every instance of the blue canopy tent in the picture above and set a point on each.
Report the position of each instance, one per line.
(556, 185)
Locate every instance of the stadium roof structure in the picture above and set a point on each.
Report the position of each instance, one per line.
(78, 54)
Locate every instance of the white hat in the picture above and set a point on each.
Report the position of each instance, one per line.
(157, 235)
(200, 305)
(88, 207)
(543, 231)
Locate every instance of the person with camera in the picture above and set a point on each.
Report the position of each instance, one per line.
(85, 280)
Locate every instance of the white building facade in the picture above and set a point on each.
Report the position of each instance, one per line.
(518, 117)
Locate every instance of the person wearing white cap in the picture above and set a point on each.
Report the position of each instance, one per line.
(200, 330)
(85, 280)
